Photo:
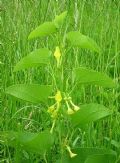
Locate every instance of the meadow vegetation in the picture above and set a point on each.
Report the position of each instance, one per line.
(60, 87)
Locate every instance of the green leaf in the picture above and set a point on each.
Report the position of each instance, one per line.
(118, 161)
(79, 40)
(30, 92)
(89, 113)
(39, 142)
(59, 19)
(84, 152)
(44, 29)
(34, 59)
(104, 158)
(33, 142)
(87, 76)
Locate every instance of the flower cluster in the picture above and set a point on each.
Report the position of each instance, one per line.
(53, 110)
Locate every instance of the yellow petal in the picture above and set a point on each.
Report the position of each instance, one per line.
(57, 53)
(70, 111)
(58, 96)
(72, 154)
(76, 108)
(51, 109)
(54, 114)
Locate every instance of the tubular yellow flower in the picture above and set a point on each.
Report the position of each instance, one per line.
(57, 55)
(75, 107)
(70, 152)
(70, 111)
(58, 97)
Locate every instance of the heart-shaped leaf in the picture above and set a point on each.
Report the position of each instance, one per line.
(34, 59)
(44, 29)
(60, 18)
(87, 76)
(84, 153)
(38, 142)
(77, 39)
(33, 142)
(100, 158)
(30, 92)
(89, 113)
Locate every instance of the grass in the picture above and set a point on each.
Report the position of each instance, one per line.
(98, 19)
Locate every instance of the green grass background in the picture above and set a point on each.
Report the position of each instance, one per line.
(99, 19)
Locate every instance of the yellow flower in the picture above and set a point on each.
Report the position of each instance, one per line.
(57, 55)
(75, 107)
(70, 152)
(58, 97)
(53, 125)
(51, 109)
(54, 114)
(70, 111)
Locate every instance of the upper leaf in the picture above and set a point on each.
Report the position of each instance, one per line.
(87, 76)
(44, 29)
(89, 113)
(33, 142)
(34, 59)
(30, 92)
(60, 18)
(79, 40)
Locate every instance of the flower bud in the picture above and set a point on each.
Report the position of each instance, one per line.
(57, 55)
